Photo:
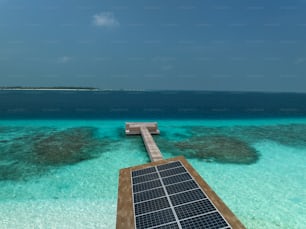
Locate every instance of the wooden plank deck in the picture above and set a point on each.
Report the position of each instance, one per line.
(146, 129)
(133, 128)
(152, 149)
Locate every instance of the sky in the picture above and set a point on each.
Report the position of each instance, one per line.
(239, 45)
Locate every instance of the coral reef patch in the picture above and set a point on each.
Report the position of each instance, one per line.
(66, 147)
(290, 134)
(221, 148)
(230, 144)
(29, 152)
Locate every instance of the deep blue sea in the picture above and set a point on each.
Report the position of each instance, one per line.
(61, 152)
(150, 104)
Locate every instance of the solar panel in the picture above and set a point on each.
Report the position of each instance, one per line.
(145, 178)
(167, 196)
(171, 172)
(146, 185)
(195, 208)
(155, 218)
(181, 187)
(169, 165)
(186, 197)
(212, 221)
(152, 205)
(143, 171)
(148, 195)
(177, 178)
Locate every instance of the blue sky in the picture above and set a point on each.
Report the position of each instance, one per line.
(175, 44)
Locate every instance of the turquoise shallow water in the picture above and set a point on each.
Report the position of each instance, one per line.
(267, 191)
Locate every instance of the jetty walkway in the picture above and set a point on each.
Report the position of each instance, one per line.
(146, 129)
(167, 193)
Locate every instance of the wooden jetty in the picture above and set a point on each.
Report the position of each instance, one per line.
(167, 193)
(146, 129)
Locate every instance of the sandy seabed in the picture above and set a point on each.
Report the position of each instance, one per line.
(81, 214)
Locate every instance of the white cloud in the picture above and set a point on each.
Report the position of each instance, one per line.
(105, 19)
(64, 59)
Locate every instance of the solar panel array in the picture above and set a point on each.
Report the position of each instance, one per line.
(167, 196)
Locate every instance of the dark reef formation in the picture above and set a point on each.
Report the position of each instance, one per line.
(291, 134)
(220, 148)
(230, 144)
(215, 148)
(65, 147)
(41, 149)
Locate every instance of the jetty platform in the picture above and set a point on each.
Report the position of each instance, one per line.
(167, 193)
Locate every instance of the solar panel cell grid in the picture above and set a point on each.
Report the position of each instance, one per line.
(169, 165)
(212, 221)
(143, 171)
(148, 195)
(171, 172)
(155, 219)
(146, 186)
(195, 208)
(145, 178)
(186, 197)
(152, 205)
(176, 179)
(181, 187)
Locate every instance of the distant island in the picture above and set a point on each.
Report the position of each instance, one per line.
(50, 88)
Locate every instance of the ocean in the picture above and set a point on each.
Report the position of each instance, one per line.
(149, 105)
(61, 152)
